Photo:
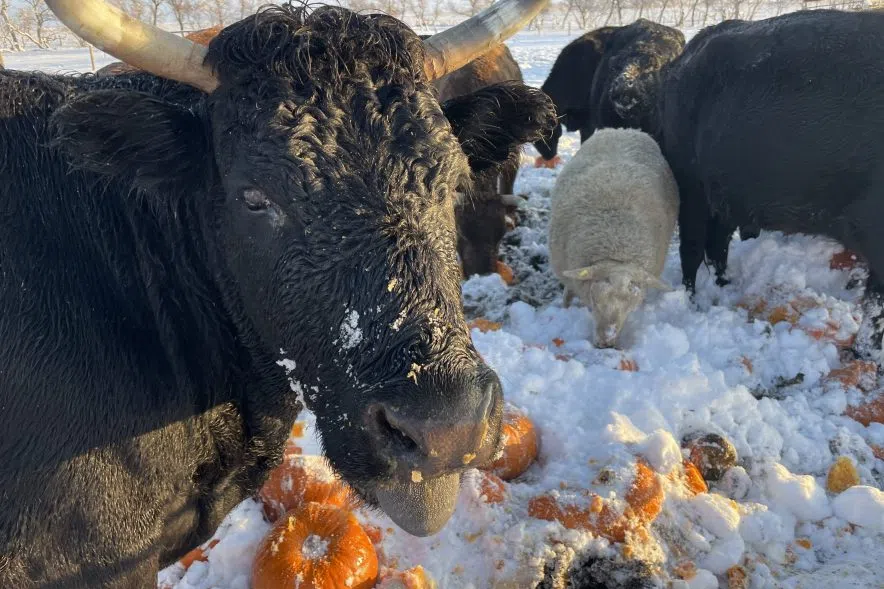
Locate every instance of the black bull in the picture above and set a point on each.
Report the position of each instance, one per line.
(162, 250)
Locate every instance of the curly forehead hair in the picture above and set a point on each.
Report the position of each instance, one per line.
(330, 43)
(352, 93)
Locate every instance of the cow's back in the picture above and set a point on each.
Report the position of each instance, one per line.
(808, 92)
(115, 383)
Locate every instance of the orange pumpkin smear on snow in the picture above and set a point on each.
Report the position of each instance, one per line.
(506, 273)
(644, 501)
(316, 547)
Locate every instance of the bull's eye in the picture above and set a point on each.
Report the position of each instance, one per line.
(255, 199)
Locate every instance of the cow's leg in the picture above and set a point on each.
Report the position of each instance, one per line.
(870, 338)
(693, 220)
(859, 232)
(506, 181)
(718, 239)
(586, 132)
(749, 231)
(110, 515)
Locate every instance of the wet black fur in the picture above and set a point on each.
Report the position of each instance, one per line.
(481, 215)
(609, 78)
(143, 312)
(569, 84)
(627, 79)
(777, 124)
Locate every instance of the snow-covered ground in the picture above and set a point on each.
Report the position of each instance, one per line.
(757, 376)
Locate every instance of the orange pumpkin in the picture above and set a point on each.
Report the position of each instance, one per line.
(539, 162)
(843, 260)
(413, 578)
(860, 374)
(204, 36)
(867, 413)
(693, 480)
(484, 325)
(628, 365)
(492, 489)
(301, 479)
(520, 446)
(316, 547)
(291, 445)
(644, 500)
(506, 273)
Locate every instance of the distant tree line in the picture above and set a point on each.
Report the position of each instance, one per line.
(29, 24)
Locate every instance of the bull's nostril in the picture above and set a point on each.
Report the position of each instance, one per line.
(395, 436)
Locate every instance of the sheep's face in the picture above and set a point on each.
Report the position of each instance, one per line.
(612, 297)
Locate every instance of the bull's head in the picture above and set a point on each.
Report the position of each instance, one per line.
(326, 172)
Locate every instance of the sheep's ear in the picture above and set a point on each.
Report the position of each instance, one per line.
(584, 273)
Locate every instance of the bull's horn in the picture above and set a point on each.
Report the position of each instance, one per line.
(136, 43)
(455, 47)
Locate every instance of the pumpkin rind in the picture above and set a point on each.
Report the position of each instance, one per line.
(301, 479)
(316, 547)
(520, 446)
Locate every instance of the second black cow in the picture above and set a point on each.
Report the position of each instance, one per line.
(777, 124)
(609, 78)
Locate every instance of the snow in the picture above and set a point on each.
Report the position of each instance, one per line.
(862, 505)
(351, 335)
(800, 495)
(713, 365)
(314, 547)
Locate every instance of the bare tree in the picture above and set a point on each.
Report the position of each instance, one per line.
(8, 35)
(31, 22)
(135, 8)
(582, 11)
(247, 7)
(216, 11)
(468, 7)
(425, 12)
(184, 12)
(616, 5)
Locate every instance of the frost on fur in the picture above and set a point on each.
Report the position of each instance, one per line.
(614, 209)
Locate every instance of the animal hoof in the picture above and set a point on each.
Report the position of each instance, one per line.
(722, 281)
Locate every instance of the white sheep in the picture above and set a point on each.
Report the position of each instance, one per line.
(614, 210)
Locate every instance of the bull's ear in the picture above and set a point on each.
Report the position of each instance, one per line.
(132, 137)
(492, 123)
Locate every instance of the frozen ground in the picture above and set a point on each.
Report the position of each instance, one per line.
(713, 366)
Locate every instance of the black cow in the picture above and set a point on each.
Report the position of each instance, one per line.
(482, 212)
(181, 268)
(627, 79)
(569, 84)
(777, 124)
(609, 78)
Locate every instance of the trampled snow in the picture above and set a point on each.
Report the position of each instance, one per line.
(715, 365)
